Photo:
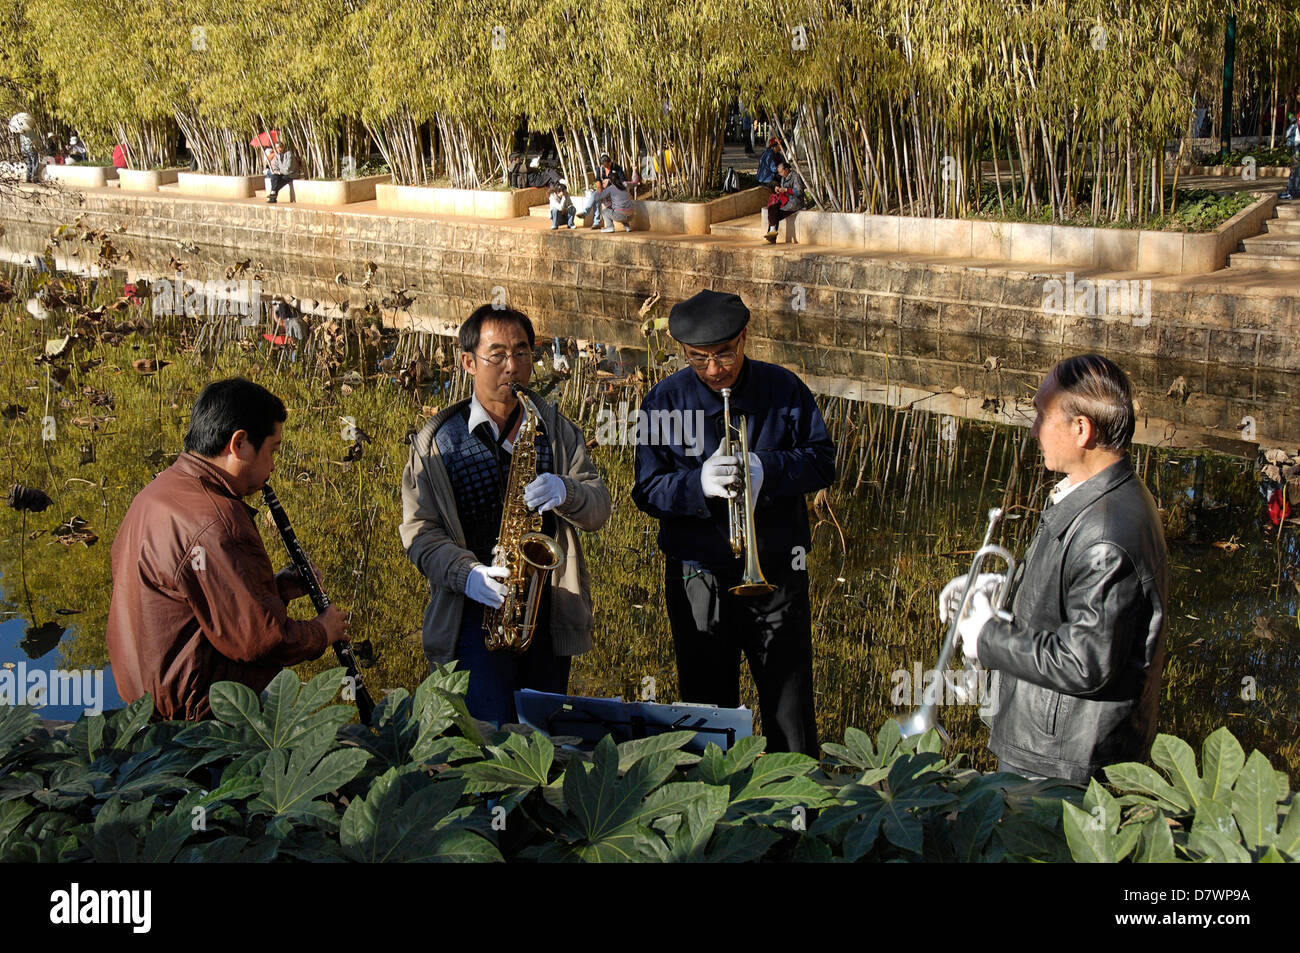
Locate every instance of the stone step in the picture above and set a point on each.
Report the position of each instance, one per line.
(1288, 209)
(751, 226)
(1253, 262)
(1271, 245)
(1283, 226)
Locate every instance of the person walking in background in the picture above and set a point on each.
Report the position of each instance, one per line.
(1292, 190)
(284, 169)
(767, 162)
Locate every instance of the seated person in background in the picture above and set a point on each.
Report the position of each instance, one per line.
(790, 193)
(284, 169)
(76, 150)
(619, 205)
(562, 208)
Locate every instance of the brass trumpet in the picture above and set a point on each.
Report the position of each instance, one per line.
(922, 719)
(740, 510)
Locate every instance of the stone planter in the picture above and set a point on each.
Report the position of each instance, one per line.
(219, 186)
(145, 180)
(694, 218)
(79, 176)
(1261, 171)
(1069, 246)
(468, 203)
(338, 191)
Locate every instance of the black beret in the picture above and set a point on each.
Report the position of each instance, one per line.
(709, 317)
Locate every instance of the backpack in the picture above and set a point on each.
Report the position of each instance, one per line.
(730, 182)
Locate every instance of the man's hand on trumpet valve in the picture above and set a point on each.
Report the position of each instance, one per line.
(986, 582)
(969, 628)
(719, 474)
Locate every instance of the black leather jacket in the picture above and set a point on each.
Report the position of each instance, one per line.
(1081, 661)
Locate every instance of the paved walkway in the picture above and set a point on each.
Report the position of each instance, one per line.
(734, 234)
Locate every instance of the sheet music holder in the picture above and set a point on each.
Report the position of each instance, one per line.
(593, 718)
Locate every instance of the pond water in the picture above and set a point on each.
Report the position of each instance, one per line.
(926, 446)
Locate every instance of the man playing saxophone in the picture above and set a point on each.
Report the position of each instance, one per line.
(691, 486)
(453, 494)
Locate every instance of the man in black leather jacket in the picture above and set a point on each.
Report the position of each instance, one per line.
(1080, 659)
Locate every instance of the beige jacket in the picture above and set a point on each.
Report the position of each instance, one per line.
(434, 541)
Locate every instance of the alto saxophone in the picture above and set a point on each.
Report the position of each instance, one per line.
(529, 554)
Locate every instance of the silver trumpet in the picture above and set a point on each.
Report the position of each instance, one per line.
(740, 509)
(924, 718)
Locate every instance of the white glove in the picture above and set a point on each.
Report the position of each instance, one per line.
(482, 585)
(755, 475)
(719, 473)
(985, 582)
(545, 493)
(981, 610)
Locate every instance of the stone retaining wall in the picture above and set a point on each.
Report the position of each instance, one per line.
(821, 299)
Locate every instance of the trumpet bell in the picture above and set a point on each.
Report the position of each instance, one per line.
(920, 721)
(753, 589)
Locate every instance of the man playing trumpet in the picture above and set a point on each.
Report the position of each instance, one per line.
(1081, 658)
(693, 486)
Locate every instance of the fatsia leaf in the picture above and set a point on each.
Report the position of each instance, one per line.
(1157, 843)
(604, 808)
(1090, 842)
(291, 780)
(901, 827)
(1222, 758)
(1288, 838)
(16, 723)
(1131, 776)
(1254, 802)
(1216, 847)
(974, 826)
(699, 819)
(778, 777)
(1098, 802)
(1179, 760)
(857, 750)
(630, 752)
(128, 722)
(740, 844)
(524, 761)
(397, 819)
(1025, 836)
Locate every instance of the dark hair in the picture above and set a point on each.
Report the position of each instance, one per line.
(469, 331)
(226, 406)
(785, 163)
(1095, 387)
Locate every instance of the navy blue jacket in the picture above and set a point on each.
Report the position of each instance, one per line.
(786, 432)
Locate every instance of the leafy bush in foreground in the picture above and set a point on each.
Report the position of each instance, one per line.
(283, 778)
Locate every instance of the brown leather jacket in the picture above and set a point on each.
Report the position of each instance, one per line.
(195, 599)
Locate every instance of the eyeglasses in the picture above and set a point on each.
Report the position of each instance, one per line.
(723, 359)
(521, 355)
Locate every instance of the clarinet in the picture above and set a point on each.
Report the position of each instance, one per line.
(342, 649)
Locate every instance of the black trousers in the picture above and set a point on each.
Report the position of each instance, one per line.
(711, 628)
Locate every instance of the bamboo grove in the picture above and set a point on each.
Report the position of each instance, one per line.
(1045, 109)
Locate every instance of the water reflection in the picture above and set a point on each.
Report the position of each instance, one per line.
(923, 450)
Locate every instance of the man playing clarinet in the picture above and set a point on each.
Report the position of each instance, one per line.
(195, 600)
(686, 481)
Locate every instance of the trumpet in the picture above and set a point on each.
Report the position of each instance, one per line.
(740, 510)
(922, 719)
